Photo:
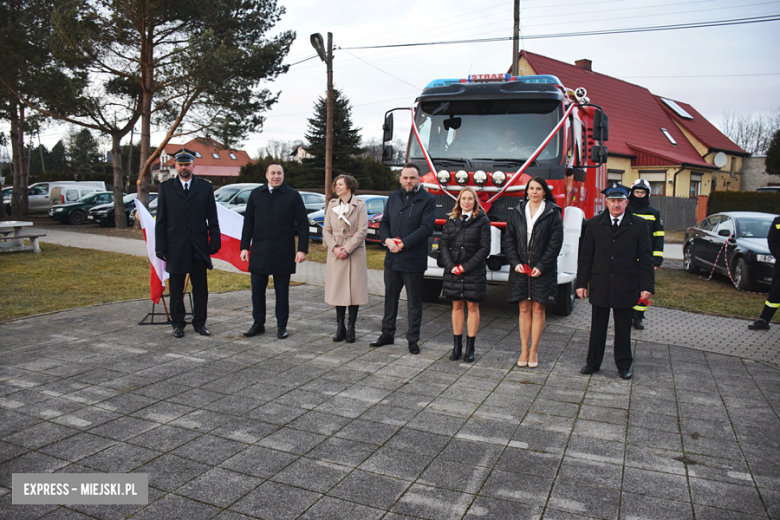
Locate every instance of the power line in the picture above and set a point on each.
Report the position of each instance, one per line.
(383, 71)
(693, 25)
(704, 76)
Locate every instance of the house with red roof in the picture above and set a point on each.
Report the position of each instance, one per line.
(664, 141)
(212, 160)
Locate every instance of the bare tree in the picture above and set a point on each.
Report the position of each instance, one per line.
(752, 133)
(279, 150)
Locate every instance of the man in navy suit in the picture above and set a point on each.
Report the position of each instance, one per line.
(187, 234)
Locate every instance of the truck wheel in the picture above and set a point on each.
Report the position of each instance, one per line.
(564, 301)
(689, 264)
(742, 275)
(77, 218)
(431, 289)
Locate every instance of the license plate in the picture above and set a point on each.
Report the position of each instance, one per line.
(372, 231)
(90, 217)
(314, 229)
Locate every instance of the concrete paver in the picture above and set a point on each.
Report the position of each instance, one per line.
(229, 427)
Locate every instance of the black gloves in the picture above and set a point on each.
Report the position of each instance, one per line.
(213, 251)
(160, 255)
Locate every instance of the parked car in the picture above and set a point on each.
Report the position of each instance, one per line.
(42, 196)
(104, 214)
(76, 212)
(313, 201)
(235, 195)
(375, 204)
(768, 189)
(373, 228)
(740, 237)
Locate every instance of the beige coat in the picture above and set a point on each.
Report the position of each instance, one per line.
(346, 281)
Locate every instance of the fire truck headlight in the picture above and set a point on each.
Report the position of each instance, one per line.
(462, 177)
(480, 177)
(499, 178)
(443, 176)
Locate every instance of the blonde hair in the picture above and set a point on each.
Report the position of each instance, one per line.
(456, 211)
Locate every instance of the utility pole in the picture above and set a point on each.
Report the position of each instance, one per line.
(515, 40)
(327, 57)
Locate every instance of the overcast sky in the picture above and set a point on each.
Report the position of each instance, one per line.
(732, 69)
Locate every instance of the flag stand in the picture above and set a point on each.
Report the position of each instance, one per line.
(151, 315)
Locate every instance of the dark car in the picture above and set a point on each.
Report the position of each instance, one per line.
(313, 201)
(740, 239)
(374, 204)
(104, 214)
(76, 212)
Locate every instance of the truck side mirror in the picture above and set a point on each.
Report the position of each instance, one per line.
(598, 154)
(600, 126)
(387, 154)
(388, 130)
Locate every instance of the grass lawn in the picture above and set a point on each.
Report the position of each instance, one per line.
(681, 290)
(65, 277)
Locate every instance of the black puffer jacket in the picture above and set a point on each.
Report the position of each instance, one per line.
(545, 245)
(466, 244)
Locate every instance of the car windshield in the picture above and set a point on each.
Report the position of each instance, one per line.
(224, 194)
(88, 198)
(754, 227)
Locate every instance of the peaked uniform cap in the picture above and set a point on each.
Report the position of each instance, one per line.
(615, 191)
(184, 156)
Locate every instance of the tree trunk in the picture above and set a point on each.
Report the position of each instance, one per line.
(147, 75)
(116, 160)
(19, 201)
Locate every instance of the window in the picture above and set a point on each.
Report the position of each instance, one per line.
(657, 188)
(726, 224)
(197, 154)
(680, 111)
(215, 155)
(71, 195)
(232, 156)
(669, 136)
(38, 190)
(695, 190)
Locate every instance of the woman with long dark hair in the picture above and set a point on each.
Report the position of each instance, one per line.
(534, 235)
(464, 246)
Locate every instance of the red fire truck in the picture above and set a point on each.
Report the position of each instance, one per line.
(495, 132)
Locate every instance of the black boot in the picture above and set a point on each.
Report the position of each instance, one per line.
(469, 356)
(341, 330)
(353, 311)
(457, 349)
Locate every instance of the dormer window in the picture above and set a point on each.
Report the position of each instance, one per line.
(669, 136)
(197, 154)
(215, 155)
(680, 111)
(232, 156)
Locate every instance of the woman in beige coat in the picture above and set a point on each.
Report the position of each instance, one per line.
(346, 277)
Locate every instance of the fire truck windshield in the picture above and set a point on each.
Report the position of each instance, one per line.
(487, 130)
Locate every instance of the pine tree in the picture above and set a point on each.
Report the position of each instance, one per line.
(346, 143)
(773, 155)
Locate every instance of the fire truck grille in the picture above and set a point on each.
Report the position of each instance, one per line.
(444, 204)
(501, 208)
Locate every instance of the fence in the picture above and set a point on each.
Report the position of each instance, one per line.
(677, 213)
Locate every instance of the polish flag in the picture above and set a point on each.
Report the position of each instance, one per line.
(158, 274)
(231, 224)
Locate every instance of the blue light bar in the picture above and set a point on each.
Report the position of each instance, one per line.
(497, 78)
(442, 82)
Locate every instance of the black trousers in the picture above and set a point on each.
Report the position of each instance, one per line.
(598, 337)
(773, 299)
(282, 291)
(200, 295)
(394, 282)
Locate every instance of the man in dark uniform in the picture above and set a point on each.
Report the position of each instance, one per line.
(639, 205)
(186, 234)
(273, 213)
(616, 259)
(772, 302)
(408, 221)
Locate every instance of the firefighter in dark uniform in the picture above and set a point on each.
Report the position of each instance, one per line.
(639, 205)
(614, 268)
(772, 302)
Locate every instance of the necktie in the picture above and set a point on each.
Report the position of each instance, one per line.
(186, 189)
(614, 224)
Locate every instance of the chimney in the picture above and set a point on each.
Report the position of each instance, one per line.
(584, 64)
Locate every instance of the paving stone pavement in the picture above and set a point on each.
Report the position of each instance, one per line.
(234, 428)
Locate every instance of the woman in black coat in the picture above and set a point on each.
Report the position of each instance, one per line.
(534, 235)
(464, 247)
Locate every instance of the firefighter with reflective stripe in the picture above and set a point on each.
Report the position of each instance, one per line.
(772, 302)
(639, 205)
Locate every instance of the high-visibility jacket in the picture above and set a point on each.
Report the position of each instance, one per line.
(654, 224)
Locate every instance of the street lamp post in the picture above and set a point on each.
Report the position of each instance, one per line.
(327, 57)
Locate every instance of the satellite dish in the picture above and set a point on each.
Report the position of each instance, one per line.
(720, 160)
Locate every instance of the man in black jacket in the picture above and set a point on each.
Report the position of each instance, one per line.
(639, 205)
(186, 234)
(615, 258)
(273, 213)
(408, 221)
(772, 302)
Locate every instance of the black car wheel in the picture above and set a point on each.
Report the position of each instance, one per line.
(77, 218)
(689, 264)
(742, 275)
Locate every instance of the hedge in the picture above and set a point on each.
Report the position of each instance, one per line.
(720, 201)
